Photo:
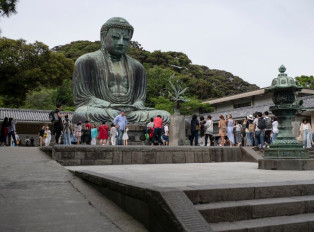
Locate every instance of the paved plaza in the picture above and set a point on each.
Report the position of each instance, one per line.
(37, 194)
(197, 174)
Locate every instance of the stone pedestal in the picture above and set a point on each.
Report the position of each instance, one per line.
(177, 130)
(285, 145)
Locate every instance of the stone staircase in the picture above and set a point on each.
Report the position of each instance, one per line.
(263, 207)
(311, 152)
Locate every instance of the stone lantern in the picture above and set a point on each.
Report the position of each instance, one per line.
(284, 91)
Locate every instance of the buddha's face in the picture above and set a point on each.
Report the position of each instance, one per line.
(117, 41)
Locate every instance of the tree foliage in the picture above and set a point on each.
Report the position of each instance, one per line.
(305, 81)
(7, 7)
(27, 67)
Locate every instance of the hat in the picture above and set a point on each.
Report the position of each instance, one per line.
(250, 117)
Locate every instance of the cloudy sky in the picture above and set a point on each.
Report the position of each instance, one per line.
(249, 38)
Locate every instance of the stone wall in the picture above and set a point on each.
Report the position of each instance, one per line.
(117, 155)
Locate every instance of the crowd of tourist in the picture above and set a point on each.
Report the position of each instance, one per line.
(257, 130)
(85, 133)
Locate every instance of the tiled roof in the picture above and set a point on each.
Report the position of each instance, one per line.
(27, 115)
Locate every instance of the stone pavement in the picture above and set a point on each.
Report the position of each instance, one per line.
(38, 194)
(183, 176)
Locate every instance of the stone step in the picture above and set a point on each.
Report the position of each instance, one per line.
(295, 223)
(238, 192)
(253, 209)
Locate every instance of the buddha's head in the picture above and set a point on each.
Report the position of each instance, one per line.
(115, 36)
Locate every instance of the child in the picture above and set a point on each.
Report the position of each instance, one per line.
(94, 134)
(166, 135)
(78, 132)
(125, 137)
(113, 134)
(47, 136)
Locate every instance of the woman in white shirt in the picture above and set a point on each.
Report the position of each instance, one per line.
(209, 129)
(305, 130)
(275, 130)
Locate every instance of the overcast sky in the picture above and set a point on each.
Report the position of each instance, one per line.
(249, 38)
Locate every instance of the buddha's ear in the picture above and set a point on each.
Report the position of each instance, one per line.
(130, 33)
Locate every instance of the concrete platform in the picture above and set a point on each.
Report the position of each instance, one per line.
(185, 176)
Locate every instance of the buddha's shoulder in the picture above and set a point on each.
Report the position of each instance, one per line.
(134, 62)
(89, 57)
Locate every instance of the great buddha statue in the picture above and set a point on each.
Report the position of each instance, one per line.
(108, 81)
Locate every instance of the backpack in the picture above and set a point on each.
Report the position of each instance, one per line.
(269, 125)
(53, 116)
(251, 126)
(261, 123)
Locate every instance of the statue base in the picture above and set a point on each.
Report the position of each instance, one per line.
(136, 134)
(177, 130)
(286, 164)
(284, 152)
(285, 145)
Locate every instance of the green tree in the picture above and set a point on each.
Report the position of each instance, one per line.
(195, 106)
(305, 81)
(157, 81)
(44, 99)
(7, 7)
(27, 67)
(64, 94)
(77, 48)
(161, 103)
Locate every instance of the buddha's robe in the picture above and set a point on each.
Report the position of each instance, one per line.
(102, 88)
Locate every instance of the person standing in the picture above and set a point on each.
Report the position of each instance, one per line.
(209, 130)
(94, 133)
(58, 126)
(103, 133)
(166, 135)
(4, 131)
(230, 126)
(222, 129)
(41, 136)
(113, 134)
(202, 130)
(78, 132)
(120, 122)
(11, 130)
(275, 130)
(268, 129)
(195, 127)
(258, 131)
(86, 133)
(305, 130)
(249, 130)
(125, 137)
(157, 130)
(47, 136)
(238, 131)
(67, 130)
(17, 139)
(150, 130)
